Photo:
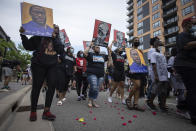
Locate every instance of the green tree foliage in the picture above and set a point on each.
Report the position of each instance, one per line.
(13, 53)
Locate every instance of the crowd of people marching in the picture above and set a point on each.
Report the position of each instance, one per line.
(56, 65)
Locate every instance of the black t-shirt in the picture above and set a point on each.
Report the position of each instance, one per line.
(186, 58)
(70, 62)
(118, 61)
(96, 64)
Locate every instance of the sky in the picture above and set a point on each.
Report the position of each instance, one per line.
(77, 17)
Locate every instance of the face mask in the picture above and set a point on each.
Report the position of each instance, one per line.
(72, 50)
(136, 44)
(81, 55)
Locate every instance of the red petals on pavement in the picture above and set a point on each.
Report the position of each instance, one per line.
(84, 123)
(118, 113)
(124, 124)
(118, 109)
(122, 110)
(130, 121)
(122, 117)
(134, 116)
(95, 118)
(77, 119)
(116, 103)
(154, 113)
(90, 112)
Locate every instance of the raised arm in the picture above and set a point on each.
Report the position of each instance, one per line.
(87, 49)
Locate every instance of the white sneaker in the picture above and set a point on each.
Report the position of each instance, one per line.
(59, 103)
(123, 102)
(110, 99)
(64, 99)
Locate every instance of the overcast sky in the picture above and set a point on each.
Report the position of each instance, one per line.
(77, 17)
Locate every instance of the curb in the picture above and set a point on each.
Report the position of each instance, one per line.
(10, 103)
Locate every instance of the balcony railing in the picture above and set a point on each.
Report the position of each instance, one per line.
(130, 6)
(169, 4)
(171, 23)
(130, 32)
(130, 12)
(170, 13)
(130, 19)
(129, 26)
(172, 33)
(129, 1)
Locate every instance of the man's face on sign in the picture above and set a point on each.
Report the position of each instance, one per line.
(38, 15)
(102, 32)
(135, 56)
(120, 37)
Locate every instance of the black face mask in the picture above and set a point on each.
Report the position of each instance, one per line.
(136, 44)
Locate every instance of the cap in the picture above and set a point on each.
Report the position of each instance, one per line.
(185, 21)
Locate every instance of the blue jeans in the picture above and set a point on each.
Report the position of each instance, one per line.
(95, 84)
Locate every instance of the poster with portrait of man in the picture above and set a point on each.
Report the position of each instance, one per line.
(36, 20)
(87, 44)
(136, 61)
(119, 37)
(64, 38)
(101, 33)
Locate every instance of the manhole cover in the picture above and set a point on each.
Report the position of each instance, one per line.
(28, 108)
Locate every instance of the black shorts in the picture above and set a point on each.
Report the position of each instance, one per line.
(137, 76)
(118, 76)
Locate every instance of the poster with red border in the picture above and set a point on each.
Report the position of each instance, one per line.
(64, 38)
(101, 33)
(87, 44)
(119, 37)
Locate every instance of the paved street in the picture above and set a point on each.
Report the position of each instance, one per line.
(110, 117)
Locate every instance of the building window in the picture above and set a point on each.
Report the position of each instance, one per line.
(172, 39)
(139, 3)
(141, 39)
(187, 10)
(184, 2)
(156, 7)
(140, 32)
(153, 1)
(139, 10)
(172, 29)
(156, 24)
(174, 19)
(140, 24)
(140, 17)
(157, 33)
(156, 16)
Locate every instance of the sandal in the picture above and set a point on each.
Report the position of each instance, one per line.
(90, 105)
(128, 103)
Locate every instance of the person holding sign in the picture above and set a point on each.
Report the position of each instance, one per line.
(95, 72)
(137, 69)
(118, 74)
(43, 66)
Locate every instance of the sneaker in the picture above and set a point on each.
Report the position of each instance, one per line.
(59, 103)
(110, 99)
(33, 116)
(4, 89)
(48, 116)
(123, 102)
(79, 98)
(64, 99)
(151, 105)
(83, 97)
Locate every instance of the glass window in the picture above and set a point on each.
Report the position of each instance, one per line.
(187, 10)
(156, 7)
(140, 32)
(141, 39)
(141, 47)
(140, 24)
(183, 2)
(156, 16)
(156, 24)
(140, 17)
(139, 10)
(157, 33)
(139, 3)
(153, 1)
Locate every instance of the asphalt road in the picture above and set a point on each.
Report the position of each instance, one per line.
(111, 117)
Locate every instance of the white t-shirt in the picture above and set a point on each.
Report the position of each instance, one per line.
(171, 62)
(161, 65)
(150, 72)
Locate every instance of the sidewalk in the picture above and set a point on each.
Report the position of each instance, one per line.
(14, 87)
(20, 120)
